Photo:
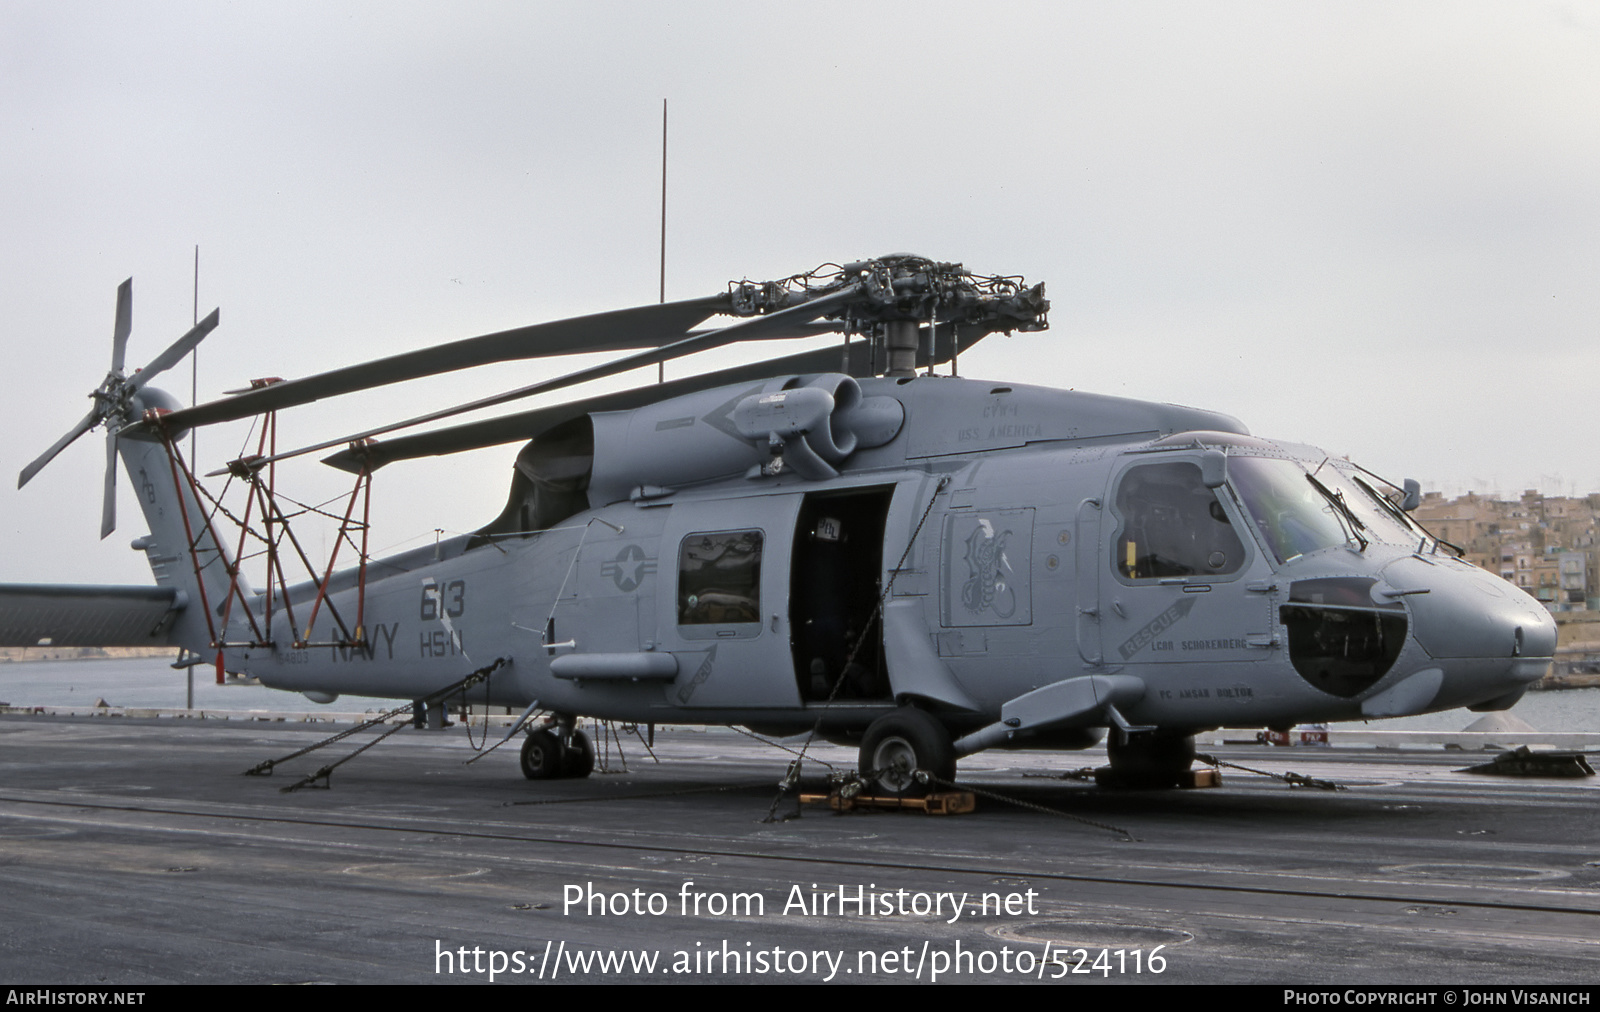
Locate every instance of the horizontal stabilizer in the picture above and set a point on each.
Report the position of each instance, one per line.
(33, 614)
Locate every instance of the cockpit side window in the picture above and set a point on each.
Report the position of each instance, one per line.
(719, 578)
(1172, 525)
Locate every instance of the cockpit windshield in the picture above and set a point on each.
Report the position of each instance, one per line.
(1297, 512)
(1383, 519)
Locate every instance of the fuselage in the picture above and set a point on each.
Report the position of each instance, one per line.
(994, 541)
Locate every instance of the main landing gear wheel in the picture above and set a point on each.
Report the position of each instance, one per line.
(544, 758)
(541, 755)
(1147, 761)
(577, 760)
(900, 743)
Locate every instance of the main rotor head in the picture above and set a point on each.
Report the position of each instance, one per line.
(902, 302)
(902, 287)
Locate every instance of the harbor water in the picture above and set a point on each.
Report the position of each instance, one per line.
(152, 682)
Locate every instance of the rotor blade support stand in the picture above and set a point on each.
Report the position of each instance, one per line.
(362, 490)
(266, 532)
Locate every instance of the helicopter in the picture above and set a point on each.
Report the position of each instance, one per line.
(840, 541)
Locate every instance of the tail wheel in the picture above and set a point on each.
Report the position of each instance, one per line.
(541, 756)
(577, 759)
(900, 743)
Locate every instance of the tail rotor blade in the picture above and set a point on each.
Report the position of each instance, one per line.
(175, 352)
(108, 503)
(84, 425)
(124, 325)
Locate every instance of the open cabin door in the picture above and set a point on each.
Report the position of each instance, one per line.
(833, 600)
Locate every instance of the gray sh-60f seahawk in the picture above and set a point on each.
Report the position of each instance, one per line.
(927, 564)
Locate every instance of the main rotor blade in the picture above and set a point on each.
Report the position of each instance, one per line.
(759, 327)
(123, 326)
(84, 425)
(639, 327)
(175, 352)
(855, 360)
(108, 500)
(525, 424)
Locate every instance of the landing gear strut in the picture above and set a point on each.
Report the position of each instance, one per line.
(577, 760)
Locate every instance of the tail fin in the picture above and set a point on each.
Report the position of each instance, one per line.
(183, 547)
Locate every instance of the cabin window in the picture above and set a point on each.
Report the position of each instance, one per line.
(1172, 525)
(719, 578)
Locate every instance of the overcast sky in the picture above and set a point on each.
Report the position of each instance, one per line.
(1371, 227)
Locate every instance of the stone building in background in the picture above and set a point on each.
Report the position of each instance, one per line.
(1544, 544)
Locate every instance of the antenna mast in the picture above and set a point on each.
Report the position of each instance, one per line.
(661, 367)
(194, 398)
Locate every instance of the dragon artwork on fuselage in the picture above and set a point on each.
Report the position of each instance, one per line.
(840, 539)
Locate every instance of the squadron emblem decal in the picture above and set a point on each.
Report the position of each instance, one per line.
(987, 589)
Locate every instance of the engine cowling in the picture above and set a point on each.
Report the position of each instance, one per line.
(807, 424)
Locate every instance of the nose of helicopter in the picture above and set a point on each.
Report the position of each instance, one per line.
(1492, 638)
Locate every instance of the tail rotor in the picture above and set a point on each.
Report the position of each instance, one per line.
(113, 399)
